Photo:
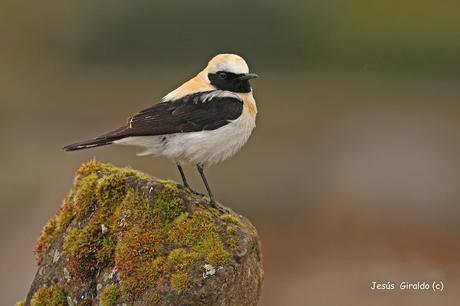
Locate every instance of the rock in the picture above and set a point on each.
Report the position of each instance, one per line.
(122, 237)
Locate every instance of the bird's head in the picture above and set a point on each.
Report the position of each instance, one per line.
(229, 72)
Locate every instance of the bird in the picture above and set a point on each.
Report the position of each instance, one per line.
(203, 122)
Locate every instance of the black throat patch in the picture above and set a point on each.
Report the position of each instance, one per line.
(229, 81)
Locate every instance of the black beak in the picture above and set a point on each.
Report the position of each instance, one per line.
(247, 76)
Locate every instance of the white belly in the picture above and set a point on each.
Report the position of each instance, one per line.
(203, 147)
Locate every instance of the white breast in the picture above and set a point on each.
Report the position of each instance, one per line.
(210, 147)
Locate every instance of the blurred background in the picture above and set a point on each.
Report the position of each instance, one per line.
(352, 174)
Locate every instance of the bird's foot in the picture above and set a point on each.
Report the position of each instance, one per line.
(219, 207)
(194, 191)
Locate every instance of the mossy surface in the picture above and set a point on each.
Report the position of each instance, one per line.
(232, 243)
(156, 299)
(85, 198)
(148, 240)
(169, 202)
(231, 230)
(109, 296)
(160, 239)
(181, 281)
(231, 219)
(49, 296)
(54, 227)
(111, 189)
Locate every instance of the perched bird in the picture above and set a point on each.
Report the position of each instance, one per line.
(204, 121)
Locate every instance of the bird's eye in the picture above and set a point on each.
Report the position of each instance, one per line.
(222, 75)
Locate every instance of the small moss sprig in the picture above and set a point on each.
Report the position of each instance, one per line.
(109, 296)
(49, 296)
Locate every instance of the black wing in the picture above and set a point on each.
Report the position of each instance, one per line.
(201, 111)
(196, 112)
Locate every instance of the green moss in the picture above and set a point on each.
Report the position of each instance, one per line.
(46, 237)
(141, 241)
(53, 228)
(232, 243)
(231, 219)
(80, 246)
(49, 296)
(84, 197)
(131, 172)
(154, 268)
(109, 296)
(181, 281)
(80, 201)
(95, 167)
(65, 217)
(20, 303)
(169, 202)
(214, 252)
(111, 189)
(182, 217)
(202, 236)
(93, 245)
(193, 237)
(107, 250)
(156, 299)
(231, 230)
(180, 258)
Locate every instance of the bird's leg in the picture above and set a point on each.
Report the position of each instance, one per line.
(182, 174)
(184, 179)
(211, 195)
(205, 181)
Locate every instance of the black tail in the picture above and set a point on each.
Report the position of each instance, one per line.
(88, 144)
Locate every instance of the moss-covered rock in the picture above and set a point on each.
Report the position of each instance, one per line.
(109, 296)
(49, 296)
(124, 237)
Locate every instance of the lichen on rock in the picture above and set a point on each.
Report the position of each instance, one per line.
(124, 237)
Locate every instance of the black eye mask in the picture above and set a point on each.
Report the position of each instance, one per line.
(229, 81)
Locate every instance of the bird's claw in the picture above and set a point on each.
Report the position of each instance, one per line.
(219, 207)
(213, 203)
(194, 191)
